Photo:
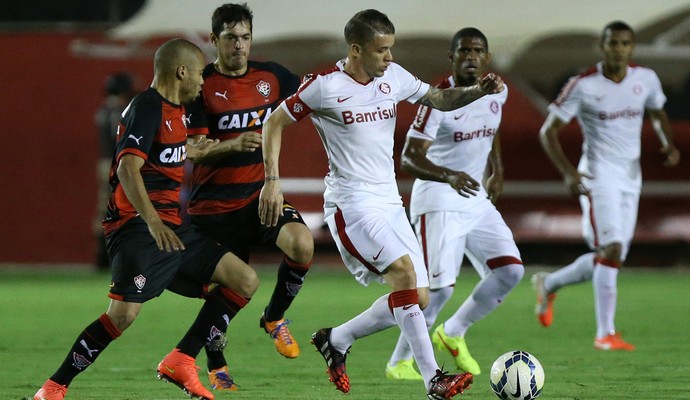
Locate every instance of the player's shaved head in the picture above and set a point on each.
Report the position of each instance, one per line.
(172, 54)
(616, 26)
(365, 24)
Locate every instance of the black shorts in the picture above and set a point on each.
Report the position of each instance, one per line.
(240, 229)
(141, 272)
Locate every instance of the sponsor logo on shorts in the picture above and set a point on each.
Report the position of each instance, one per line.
(376, 257)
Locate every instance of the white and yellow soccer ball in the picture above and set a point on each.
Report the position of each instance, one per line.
(517, 375)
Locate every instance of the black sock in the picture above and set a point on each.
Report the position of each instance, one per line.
(290, 279)
(88, 346)
(220, 307)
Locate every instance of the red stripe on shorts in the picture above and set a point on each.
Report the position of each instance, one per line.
(340, 225)
(502, 261)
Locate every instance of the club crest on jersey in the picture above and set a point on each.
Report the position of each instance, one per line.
(494, 107)
(385, 88)
(140, 281)
(297, 108)
(264, 88)
(637, 89)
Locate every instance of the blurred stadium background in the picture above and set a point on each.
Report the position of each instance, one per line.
(56, 54)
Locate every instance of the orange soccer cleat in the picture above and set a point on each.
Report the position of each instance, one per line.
(180, 369)
(544, 308)
(613, 341)
(282, 338)
(221, 379)
(51, 391)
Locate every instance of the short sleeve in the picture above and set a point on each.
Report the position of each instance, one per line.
(411, 88)
(567, 104)
(305, 100)
(196, 119)
(140, 126)
(425, 124)
(656, 98)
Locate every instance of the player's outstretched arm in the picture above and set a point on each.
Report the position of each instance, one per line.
(415, 162)
(245, 142)
(198, 147)
(453, 98)
(271, 197)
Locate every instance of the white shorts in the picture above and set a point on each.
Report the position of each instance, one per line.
(609, 215)
(371, 237)
(446, 236)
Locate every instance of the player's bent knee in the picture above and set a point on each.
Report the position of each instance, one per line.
(401, 275)
(612, 252)
(510, 274)
(123, 314)
(235, 274)
(296, 241)
(423, 295)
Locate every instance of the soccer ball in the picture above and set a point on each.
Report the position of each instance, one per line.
(517, 375)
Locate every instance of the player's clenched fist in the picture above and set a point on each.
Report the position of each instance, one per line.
(491, 83)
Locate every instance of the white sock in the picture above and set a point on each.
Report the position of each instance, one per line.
(578, 271)
(486, 296)
(411, 321)
(374, 319)
(605, 293)
(437, 299)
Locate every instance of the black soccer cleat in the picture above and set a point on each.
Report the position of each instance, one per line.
(335, 360)
(444, 386)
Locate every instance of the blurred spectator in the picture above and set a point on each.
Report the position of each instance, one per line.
(119, 89)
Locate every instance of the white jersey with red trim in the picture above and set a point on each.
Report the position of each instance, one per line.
(356, 123)
(461, 141)
(610, 115)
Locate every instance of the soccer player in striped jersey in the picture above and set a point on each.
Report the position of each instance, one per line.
(237, 98)
(453, 212)
(353, 107)
(609, 102)
(147, 246)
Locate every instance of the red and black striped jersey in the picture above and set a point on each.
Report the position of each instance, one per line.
(154, 129)
(227, 107)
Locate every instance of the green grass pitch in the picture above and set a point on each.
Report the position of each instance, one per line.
(41, 313)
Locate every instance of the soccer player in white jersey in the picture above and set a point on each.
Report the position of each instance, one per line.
(353, 107)
(452, 212)
(609, 101)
